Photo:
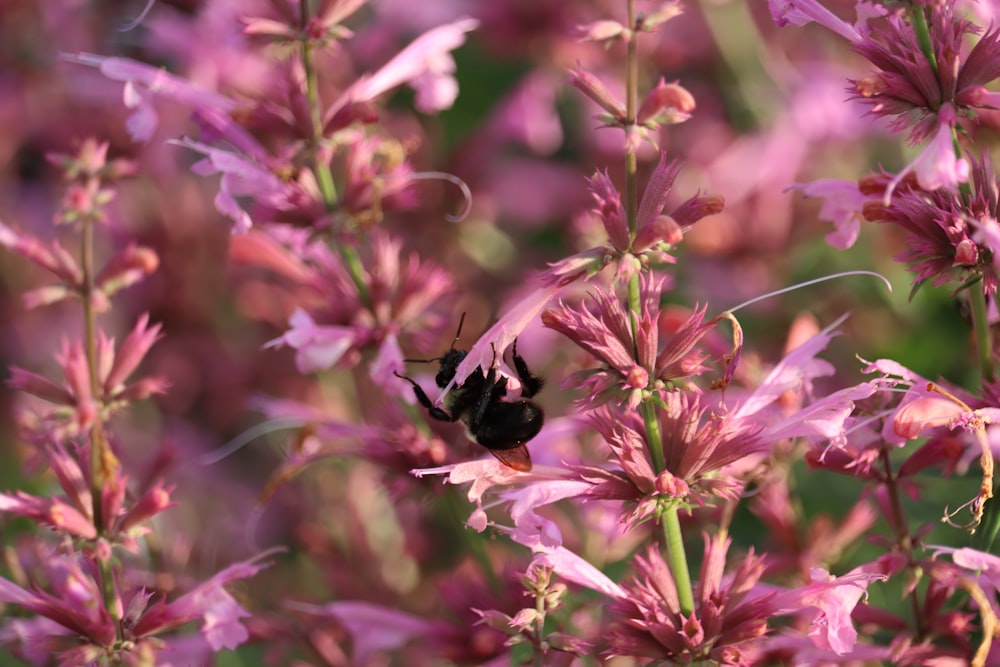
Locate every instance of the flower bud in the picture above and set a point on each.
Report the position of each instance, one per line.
(666, 104)
(591, 86)
(966, 253)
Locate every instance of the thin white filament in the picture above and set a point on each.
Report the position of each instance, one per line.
(137, 21)
(249, 436)
(792, 288)
(454, 180)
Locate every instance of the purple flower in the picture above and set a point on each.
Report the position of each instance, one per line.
(842, 205)
(800, 12)
(656, 231)
(729, 615)
(603, 329)
(914, 91)
(426, 64)
(946, 239)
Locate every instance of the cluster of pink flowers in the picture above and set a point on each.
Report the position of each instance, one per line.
(302, 210)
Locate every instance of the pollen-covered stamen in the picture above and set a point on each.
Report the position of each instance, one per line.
(974, 421)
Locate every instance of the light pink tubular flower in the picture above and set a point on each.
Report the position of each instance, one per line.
(317, 347)
(937, 166)
(830, 600)
(800, 12)
(241, 176)
(495, 341)
(374, 628)
(426, 64)
(144, 82)
(842, 205)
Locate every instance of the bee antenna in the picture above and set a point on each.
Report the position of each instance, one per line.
(421, 361)
(458, 333)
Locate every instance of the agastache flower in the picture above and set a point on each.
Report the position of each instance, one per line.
(729, 615)
(399, 299)
(947, 239)
(697, 445)
(914, 91)
(77, 406)
(656, 231)
(426, 64)
(603, 329)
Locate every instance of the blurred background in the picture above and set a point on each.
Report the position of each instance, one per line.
(772, 111)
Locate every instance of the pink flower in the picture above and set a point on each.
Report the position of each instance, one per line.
(605, 332)
(143, 82)
(800, 12)
(317, 347)
(208, 602)
(656, 231)
(940, 227)
(730, 615)
(842, 205)
(834, 598)
(241, 175)
(374, 628)
(937, 166)
(426, 64)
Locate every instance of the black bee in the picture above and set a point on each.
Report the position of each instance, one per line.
(499, 425)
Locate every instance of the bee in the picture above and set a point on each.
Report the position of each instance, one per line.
(501, 426)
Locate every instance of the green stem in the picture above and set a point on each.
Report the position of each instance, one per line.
(322, 170)
(903, 538)
(102, 459)
(324, 177)
(981, 327)
(653, 438)
(920, 28)
(537, 659)
(631, 104)
(676, 558)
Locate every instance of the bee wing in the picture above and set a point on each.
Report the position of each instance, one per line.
(517, 458)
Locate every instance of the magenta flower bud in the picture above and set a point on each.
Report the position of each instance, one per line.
(492, 618)
(127, 268)
(667, 103)
(39, 386)
(152, 503)
(662, 228)
(68, 519)
(966, 253)
(696, 208)
(591, 86)
(637, 377)
(364, 112)
(672, 486)
(131, 353)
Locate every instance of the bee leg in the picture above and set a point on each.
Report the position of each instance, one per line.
(493, 390)
(530, 384)
(432, 410)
